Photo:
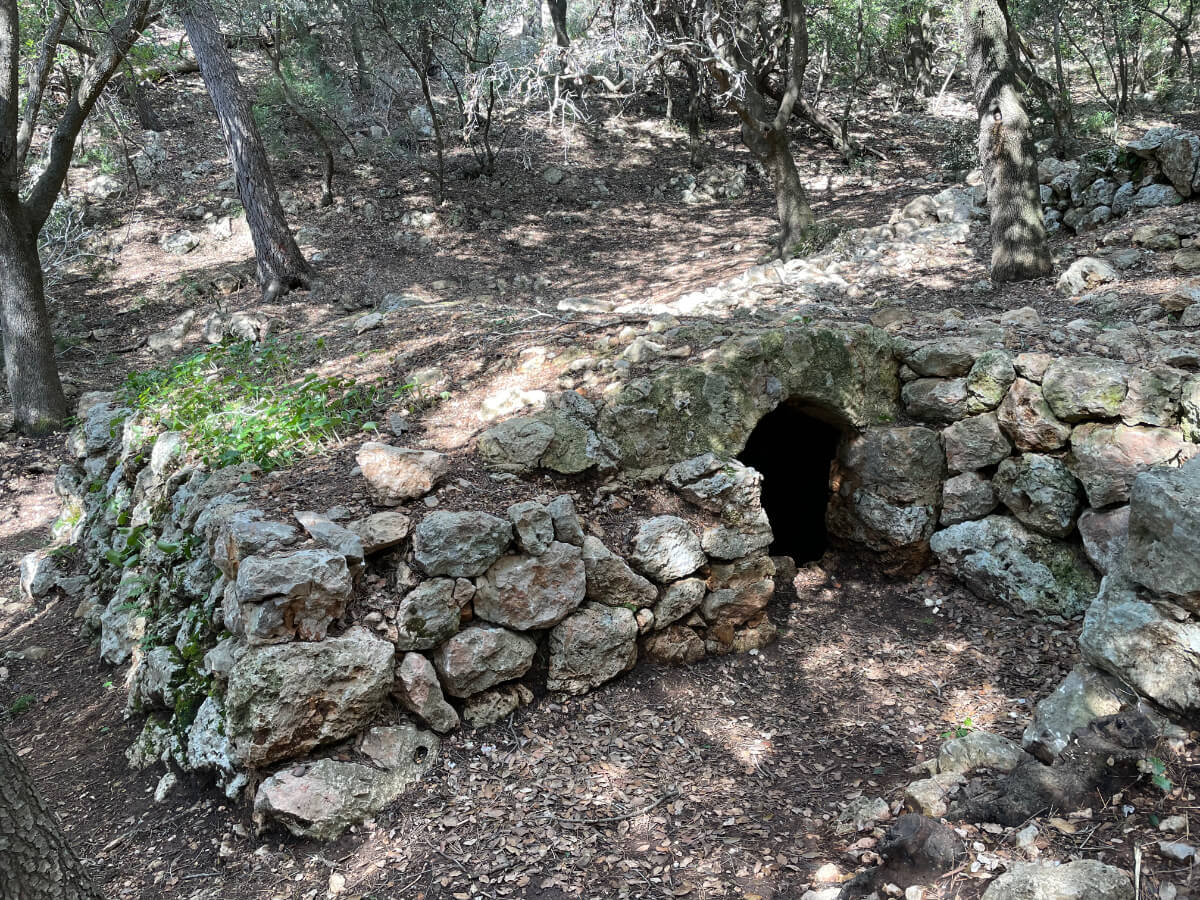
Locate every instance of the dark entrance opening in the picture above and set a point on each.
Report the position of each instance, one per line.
(793, 451)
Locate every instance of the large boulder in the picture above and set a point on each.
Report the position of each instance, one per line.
(1145, 645)
(323, 799)
(532, 592)
(1001, 560)
(293, 595)
(1085, 387)
(282, 701)
(611, 581)
(516, 445)
(591, 646)
(1107, 458)
(666, 548)
(427, 615)
(1040, 491)
(1083, 879)
(460, 544)
(887, 487)
(397, 474)
(481, 656)
(1164, 533)
(1026, 417)
(1085, 694)
(1179, 157)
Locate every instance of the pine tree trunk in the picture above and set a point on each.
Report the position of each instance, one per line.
(281, 266)
(36, 862)
(1006, 152)
(33, 384)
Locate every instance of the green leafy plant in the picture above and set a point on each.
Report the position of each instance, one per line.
(21, 704)
(238, 402)
(962, 730)
(1157, 770)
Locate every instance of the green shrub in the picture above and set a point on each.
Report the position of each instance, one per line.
(239, 401)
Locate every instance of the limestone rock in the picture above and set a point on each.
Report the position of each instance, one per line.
(1086, 274)
(396, 474)
(611, 581)
(945, 358)
(1106, 458)
(1164, 533)
(493, 705)
(567, 527)
(516, 445)
(1105, 534)
(1085, 694)
(1179, 157)
(460, 544)
(282, 701)
(39, 574)
(1083, 879)
(1153, 397)
(989, 379)
(591, 646)
(419, 691)
(738, 591)
(715, 484)
(975, 443)
(677, 600)
(1001, 560)
(381, 531)
(677, 645)
(1153, 196)
(532, 526)
(1040, 491)
(532, 592)
(887, 486)
(967, 496)
(397, 748)
(1026, 417)
(1080, 388)
(325, 798)
(1189, 405)
(481, 656)
(936, 399)
(276, 598)
(666, 549)
(123, 622)
(243, 534)
(979, 749)
(428, 614)
(931, 796)
(1144, 645)
(327, 533)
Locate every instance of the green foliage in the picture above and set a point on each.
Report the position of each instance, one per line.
(20, 705)
(1099, 121)
(815, 239)
(1157, 770)
(962, 730)
(238, 402)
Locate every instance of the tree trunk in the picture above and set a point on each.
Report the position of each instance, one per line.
(1006, 153)
(36, 862)
(791, 201)
(918, 56)
(558, 15)
(33, 385)
(281, 266)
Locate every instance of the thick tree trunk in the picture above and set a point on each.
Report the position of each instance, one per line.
(281, 266)
(33, 384)
(791, 200)
(1006, 152)
(36, 862)
(558, 15)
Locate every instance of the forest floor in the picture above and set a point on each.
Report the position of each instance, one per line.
(725, 779)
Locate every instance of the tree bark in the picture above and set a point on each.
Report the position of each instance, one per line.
(1006, 152)
(558, 15)
(36, 862)
(281, 265)
(33, 384)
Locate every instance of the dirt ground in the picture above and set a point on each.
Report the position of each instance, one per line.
(725, 779)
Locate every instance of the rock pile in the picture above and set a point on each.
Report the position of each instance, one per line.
(1161, 168)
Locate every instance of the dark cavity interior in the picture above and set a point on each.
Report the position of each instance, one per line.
(794, 450)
